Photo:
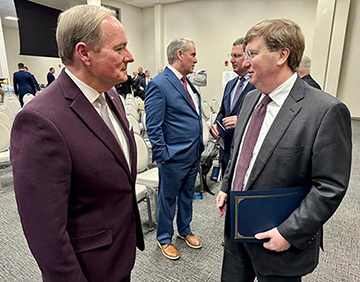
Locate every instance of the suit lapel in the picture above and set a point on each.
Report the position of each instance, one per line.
(241, 98)
(172, 78)
(86, 112)
(286, 115)
(227, 95)
(118, 109)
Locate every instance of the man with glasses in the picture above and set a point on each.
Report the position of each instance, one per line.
(289, 134)
(235, 91)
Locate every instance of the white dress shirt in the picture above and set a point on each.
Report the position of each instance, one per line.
(92, 95)
(194, 96)
(278, 97)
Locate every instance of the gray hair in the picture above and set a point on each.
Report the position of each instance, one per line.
(305, 63)
(80, 24)
(240, 41)
(175, 45)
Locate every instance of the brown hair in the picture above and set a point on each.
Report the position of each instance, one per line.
(279, 34)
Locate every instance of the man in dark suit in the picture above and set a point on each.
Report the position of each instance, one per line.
(23, 83)
(76, 194)
(304, 72)
(289, 134)
(36, 84)
(143, 84)
(125, 87)
(50, 76)
(137, 79)
(235, 91)
(173, 118)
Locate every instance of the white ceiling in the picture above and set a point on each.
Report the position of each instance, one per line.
(7, 7)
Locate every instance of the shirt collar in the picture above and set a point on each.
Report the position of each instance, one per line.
(279, 94)
(176, 72)
(90, 93)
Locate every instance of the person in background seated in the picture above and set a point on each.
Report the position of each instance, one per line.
(304, 72)
(50, 76)
(23, 83)
(174, 125)
(76, 195)
(234, 93)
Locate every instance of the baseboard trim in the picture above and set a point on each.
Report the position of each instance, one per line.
(355, 118)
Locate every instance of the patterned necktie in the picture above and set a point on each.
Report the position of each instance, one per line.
(249, 142)
(183, 80)
(238, 91)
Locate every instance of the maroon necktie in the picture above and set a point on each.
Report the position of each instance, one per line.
(183, 80)
(249, 143)
(237, 92)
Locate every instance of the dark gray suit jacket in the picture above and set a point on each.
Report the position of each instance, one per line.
(309, 143)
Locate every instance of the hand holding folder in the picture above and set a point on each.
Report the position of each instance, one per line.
(252, 212)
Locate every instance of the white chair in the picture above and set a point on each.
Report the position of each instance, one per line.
(213, 116)
(215, 106)
(14, 105)
(27, 98)
(143, 120)
(130, 110)
(4, 144)
(132, 102)
(142, 193)
(206, 110)
(134, 123)
(206, 131)
(4, 119)
(6, 109)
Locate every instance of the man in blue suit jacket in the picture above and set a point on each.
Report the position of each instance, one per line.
(23, 83)
(173, 117)
(235, 91)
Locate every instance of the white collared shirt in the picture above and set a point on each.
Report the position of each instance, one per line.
(92, 95)
(278, 97)
(194, 96)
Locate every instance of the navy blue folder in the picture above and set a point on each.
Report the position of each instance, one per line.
(252, 212)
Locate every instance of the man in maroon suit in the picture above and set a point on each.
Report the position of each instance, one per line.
(74, 158)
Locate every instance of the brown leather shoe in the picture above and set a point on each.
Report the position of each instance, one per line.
(192, 240)
(169, 251)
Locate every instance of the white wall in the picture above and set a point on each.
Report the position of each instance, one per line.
(215, 25)
(348, 90)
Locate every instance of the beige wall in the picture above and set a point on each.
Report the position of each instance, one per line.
(214, 25)
(348, 90)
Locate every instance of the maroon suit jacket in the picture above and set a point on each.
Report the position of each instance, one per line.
(75, 192)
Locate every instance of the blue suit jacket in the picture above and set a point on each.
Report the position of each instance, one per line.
(225, 112)
(174, 127)
(23, 83)
(50, 78)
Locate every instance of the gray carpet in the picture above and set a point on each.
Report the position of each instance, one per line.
(339, 262)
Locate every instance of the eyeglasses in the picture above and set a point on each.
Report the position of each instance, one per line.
(248, 54)
(234, 56)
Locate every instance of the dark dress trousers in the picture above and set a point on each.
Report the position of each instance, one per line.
(23, 84)
(309, 143)
(74, 189)
(226, 111)
(175, 132)
(309, 80)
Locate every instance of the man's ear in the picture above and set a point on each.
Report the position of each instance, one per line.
(82, 52)
(179, 55)
(283, 56)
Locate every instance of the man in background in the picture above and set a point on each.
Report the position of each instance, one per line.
(234, 93)
(137, 79)
(304, 72)
(50, 76)
(36, 84)
(76, 194)
(288, 134)
(126, 87)
(174, 124)
(23, 83)
(143, 83)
